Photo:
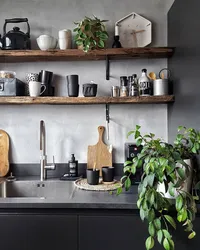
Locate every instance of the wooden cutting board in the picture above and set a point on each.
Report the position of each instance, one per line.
(99, 154)
(4, 151)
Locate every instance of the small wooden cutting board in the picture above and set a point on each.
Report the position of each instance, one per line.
(100, 154)
(4, 151)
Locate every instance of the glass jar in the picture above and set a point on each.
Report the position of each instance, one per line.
(123, 91)
(115, 91)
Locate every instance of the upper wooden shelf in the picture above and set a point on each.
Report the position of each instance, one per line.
(86, 100)
(76, 55)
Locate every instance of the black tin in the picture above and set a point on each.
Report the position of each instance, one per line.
(93, 176)
(108, 174)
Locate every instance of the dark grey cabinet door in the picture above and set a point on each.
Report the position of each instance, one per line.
(32, 232)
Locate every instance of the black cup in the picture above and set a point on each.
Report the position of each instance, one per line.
(72, 85)
(46, 77)
(90, 89)
(108, 174)
(93, 176)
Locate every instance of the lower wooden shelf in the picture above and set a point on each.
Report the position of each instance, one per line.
(86, 100)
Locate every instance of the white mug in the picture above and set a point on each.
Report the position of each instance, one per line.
(35, 88)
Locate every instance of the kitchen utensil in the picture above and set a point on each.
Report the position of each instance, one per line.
(160, 87)
(35, 88)
(93, 176)
(16, 39)
(46, 77)
(152, 76)
(46, 42)
(108, 174)
(4, 153)
(164, 74)
(72, 85)
(99, 153)
(90, 89)
(134, 31)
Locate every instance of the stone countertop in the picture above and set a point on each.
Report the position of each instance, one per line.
(79, 199)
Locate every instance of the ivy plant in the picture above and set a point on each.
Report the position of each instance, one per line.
(91, 33)
(159, 162)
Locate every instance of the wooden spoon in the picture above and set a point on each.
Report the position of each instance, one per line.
(152, 75)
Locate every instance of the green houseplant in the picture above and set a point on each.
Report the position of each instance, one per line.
(163, 163)
(91, 33)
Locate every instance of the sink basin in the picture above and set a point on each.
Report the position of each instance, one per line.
(46, 189)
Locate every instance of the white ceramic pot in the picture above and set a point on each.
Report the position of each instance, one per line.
(46, 42)
(64, 33)
(186, 186)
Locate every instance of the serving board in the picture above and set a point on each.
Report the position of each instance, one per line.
(4, 151)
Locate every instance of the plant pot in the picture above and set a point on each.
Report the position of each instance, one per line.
(90, 89)
(108, 174)
(186, 186)
(93, 176)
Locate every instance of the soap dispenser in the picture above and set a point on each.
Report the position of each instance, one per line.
(73, 167)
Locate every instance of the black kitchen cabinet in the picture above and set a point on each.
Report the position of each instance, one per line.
(38, 231)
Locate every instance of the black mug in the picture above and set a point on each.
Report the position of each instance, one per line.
(108, 174)
(93, 176)
(72, 85)
(46, 77)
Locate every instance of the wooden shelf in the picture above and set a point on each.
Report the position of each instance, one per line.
(78, 55)
(86, 100)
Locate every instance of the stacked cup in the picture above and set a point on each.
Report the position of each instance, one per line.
(65, 39)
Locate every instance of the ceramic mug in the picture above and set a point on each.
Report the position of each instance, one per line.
(30, 77)
(35, 88)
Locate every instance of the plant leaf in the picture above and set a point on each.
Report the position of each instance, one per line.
(127, 184)
(170, 220)
(160, 236)
(166, 244)
(119, 190)
(138, 127)
(179, 202)
(157, 224)
(142, 214)
(101, 44)
(192, 235)
(139, 142)
(152, 229)
(149, 243)
(166, 234)
(181, 173)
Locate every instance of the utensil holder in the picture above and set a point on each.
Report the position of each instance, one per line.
(93, 176)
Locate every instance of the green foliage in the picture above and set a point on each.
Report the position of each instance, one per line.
(91, 33)
(163, 163)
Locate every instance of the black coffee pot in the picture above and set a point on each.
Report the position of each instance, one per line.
(15, 39)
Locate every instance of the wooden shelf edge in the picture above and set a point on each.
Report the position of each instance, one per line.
(86, 100)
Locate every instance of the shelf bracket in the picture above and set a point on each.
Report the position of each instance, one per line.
(107, 120)
(107, 68)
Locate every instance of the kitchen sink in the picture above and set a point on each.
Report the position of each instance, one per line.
(45, 189)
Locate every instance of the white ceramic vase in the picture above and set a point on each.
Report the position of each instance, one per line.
(186, 186)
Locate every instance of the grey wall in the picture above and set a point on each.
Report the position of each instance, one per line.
(183, 24)
(70, 129)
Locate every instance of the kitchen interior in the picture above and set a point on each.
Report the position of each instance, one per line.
(67, 107)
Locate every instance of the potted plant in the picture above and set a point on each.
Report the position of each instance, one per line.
(163, 163)
(91, 33)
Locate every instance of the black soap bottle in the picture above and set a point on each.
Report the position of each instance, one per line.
(73, 167)
(116, 43)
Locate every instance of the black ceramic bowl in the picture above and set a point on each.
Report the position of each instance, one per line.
(93, 176)
(90, 89)
(108, 174)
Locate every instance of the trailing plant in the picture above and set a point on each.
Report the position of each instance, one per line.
(159, 162)
(187, 142)
(91, 33)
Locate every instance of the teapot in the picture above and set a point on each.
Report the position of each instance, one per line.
(15, 39)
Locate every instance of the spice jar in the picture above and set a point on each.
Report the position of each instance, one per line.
(115, 91)
(133, 85)
(123, 91)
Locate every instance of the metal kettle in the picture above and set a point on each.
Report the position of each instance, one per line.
(15, 39)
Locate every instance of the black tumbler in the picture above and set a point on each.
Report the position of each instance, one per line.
(93, 176)
(46, 77)
(72, 85)
(108, 174)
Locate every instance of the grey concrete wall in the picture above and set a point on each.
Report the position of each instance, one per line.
(71, 128)
(183, 34)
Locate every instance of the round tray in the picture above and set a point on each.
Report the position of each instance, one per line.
(82, 184)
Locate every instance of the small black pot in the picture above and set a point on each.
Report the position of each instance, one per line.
(90, 89)
(108, 174)
(93, 176)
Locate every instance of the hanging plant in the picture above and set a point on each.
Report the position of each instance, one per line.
(164, 164)
(91, 33)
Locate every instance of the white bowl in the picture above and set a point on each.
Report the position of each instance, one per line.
(46, 42)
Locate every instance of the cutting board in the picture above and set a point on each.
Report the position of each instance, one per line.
(4, 150)
(99, 154)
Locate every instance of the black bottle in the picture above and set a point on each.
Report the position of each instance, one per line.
(73, 167)
(116, 43)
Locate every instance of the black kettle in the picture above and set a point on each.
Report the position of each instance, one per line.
(16, 39)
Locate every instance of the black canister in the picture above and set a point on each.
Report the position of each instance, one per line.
(46, 77)
(90, 89)
(93, 176)
(108, 174)
(73, 85)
